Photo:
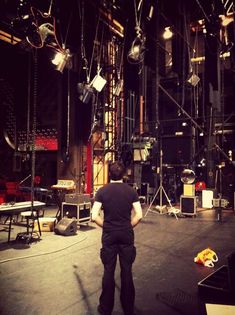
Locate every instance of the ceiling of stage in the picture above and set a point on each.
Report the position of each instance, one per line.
(68, 13)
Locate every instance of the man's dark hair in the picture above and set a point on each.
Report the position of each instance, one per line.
(117, 170)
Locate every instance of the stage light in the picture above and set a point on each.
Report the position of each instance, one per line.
(98, 82)
(179, 133)
(85, 92)
(226, 20)
(136, 52)
(167, 33)
(46, 30)
(60, 59)
(193, 79)
(118, 87)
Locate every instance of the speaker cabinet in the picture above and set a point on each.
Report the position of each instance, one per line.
(66, 227)
(80, 211)
(188, 205)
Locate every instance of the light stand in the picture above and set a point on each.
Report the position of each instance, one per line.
(219, 203)
(161, 190)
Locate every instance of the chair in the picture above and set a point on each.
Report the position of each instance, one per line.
(31, 215)
(12, 192)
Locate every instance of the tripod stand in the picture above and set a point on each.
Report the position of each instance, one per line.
(161, 191)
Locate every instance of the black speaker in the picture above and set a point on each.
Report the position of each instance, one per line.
(66, 227)
(188, 205)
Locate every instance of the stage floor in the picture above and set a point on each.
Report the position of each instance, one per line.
(62, 274)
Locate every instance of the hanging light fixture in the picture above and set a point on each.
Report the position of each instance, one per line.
(47, 33)
(193, 79)
(98, 82)
(61, 59)
(167, 34)
(137, 50)
(85, 92)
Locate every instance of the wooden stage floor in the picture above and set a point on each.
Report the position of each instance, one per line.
(62, 274)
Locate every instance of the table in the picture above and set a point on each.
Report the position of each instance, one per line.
(12, 209)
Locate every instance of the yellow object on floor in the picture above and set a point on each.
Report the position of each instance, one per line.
(206, 257)
(46, 224)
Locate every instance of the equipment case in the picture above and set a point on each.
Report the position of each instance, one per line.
(188, 205)
(80, 211)
(77, 198)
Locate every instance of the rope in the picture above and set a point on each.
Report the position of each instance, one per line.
(93, 50)
(137, 21)
(83, 51)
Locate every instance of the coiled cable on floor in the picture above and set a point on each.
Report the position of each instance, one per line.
(43, 253)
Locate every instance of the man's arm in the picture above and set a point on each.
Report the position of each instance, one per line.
(138, 213)
(95, 213)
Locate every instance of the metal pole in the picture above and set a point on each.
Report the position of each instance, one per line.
(160, 175)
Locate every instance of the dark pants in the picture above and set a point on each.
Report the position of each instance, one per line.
(117, 243)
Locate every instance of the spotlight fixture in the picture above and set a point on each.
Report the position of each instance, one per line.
(46, 30)
(226, 19)
(136, 52)
(85, 92)
(193, 79)
(118, 87)
(60, 59)
(98, 82)
(167, 33)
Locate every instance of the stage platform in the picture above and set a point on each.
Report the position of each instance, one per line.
(62, 274)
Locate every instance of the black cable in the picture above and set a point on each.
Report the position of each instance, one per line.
(42, 254)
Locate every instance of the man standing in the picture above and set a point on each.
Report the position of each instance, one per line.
(117, 199)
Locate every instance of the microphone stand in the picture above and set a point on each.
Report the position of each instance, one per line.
(23, 180)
